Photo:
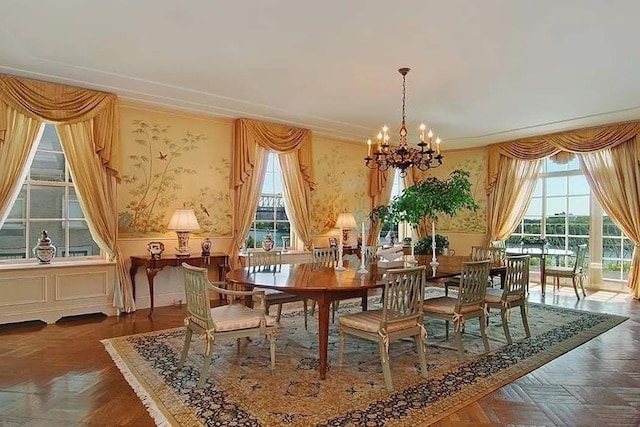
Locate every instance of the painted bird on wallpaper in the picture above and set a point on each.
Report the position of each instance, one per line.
(204, 209)
(162, 156)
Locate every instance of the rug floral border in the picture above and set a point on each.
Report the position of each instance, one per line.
(426, 402)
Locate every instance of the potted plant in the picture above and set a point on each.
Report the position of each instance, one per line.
(423, 245)
(428, 199)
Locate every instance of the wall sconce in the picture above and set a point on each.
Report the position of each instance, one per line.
(183, 221)
(345, 222)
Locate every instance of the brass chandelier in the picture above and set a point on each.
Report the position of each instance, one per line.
(403, 157)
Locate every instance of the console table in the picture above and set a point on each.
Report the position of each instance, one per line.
(153, 267)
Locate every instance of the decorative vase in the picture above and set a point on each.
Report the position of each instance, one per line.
(286, 241)
(267, 243)
(155, 249)
(45, 251)
(206, 247)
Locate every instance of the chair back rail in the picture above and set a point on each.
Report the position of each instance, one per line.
(370, 256)
(262, 260)
(517, 276)
(495, 254)
(473, 284)
(403, 294)
(196, 295)
(326, 257)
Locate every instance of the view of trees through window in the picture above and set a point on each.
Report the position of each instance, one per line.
(47, 201)
(396, 189)
(271, 216)
(562, 211)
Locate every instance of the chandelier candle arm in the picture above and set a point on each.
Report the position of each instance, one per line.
(403, 156)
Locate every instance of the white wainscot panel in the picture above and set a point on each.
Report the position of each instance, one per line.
(72, 286)
(23, 290)
(49, 292)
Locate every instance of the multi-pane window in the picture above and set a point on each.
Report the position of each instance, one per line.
(563, 211)
(47, 201)
(559, 211)
(271, 216)
(396, 188)
(617, 251)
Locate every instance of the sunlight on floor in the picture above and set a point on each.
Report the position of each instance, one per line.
(604, 296)
(608, 296)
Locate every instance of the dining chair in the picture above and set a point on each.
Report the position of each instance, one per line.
(498, 244)
(400, 317)
(370, 254)
(265, 261)
(234, 320)
(496, 254)
(513, 295)
(575, 272)
(325, 257)
(468, 304)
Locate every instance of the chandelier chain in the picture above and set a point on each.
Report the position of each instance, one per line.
(385, 156)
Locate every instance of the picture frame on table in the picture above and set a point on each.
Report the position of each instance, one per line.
(333, 242)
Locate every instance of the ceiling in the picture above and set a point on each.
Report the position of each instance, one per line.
(481, 72)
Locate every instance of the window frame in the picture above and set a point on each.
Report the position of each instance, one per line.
(275, 175)
(29, 223)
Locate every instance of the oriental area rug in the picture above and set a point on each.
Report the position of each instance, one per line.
(242, 391)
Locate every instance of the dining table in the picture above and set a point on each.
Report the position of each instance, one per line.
(541, 252)
(327, 284)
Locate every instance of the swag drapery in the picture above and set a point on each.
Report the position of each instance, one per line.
(87, 123)
(610, 159)
(253, 140)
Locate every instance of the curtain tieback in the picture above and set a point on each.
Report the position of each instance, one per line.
(385, 342)
(458, 319)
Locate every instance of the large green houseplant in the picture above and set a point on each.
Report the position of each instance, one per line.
(428, 199)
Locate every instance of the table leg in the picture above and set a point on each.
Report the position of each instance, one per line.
(323, 334)
(151, 274)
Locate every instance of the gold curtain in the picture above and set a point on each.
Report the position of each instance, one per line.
(96, 189)
(576, 141)
(586, 143)
(379, 194)
(297, 196)
(511, 196)
(252, 141)
(608, 171)
(96, 114)
(66, 104)
(15, 149)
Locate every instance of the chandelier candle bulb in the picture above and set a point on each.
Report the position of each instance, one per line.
(404, 156)
(369, 147)
(438, 145)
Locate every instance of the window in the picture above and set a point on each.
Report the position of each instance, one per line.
(559, 210)
(617, 251)
(564, 212)
(401, 230)
(271, 216)
(47, 201)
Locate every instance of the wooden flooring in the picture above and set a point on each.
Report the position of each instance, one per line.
(60, 375)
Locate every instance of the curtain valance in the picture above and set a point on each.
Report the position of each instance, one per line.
(575, 141)
(274, 137)
(62, 104)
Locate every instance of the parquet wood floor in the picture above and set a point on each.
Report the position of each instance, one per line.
(61, 375)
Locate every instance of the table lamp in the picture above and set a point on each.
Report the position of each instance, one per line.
(183, 221)
(345, 222)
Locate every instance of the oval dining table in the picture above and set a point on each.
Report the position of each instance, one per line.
(327, 284)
